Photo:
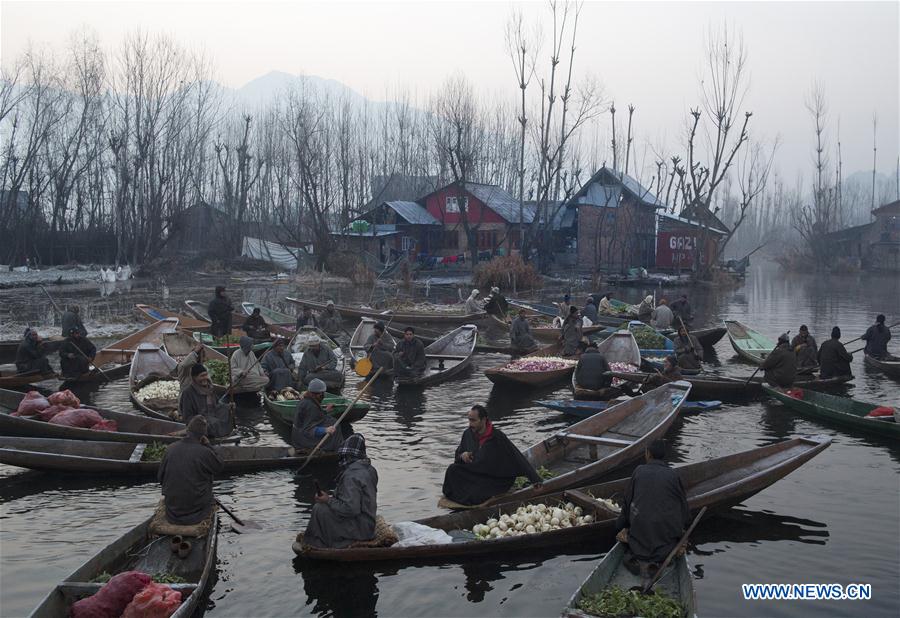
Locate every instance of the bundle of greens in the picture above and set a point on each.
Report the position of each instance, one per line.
(154, 452)
(616, 602)
(648, 339)
(218, 371)
(543, 472)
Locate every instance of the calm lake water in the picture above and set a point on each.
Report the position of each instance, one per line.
(836, 519)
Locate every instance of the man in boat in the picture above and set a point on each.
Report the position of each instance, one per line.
(805, 348)
(682, 308)
(670, 373)
(247, 375)
(486, 462)
(876, 338)
(604, 306)
(30, 356)
(330, 320)
(318, 361)
(380, 348)
(311, 423)
(834, 359)
(72, 319)
(592, 370)
(590, 310)
(645, 307)
(688, 350)
(661, 317)
(472, 304)
(781, 364)
(279, 365)
(307, 318)
(497, 304)
(563, 307)
(409, 357)
(186, 474)
(655, 511)
(570, 335)
(199, 400)
(219, 310)
(348, 513)
(183, 370)
(520, 334)
(76, 354)
(255, 325)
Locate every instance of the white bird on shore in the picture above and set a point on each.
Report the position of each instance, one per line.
(107, 276)
(123, 274)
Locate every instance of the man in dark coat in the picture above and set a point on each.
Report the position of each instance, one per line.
(688, 350)
(876, 338)
(186, 474)
(311, 423)
(781, 364)
(590, 370)
(318, 361)
(219, 310)
(76, 354)
(834, 359)
(682, 308)
(496, 304)
(72, 319)
(199, 400)
(804, 346)
(279, 365)
(380, 347)
(670, 373)
(30, 357)
(330, 320)
(520, 334)
(255, 325)
(486, 463)
(348, 514)
(307, 318)
(590, 310)
(409, 357)
(571, 333)
(655, 512)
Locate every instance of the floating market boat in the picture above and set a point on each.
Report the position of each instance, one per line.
(229, 344)
(361, 334)
(403, 318)
(889, 365)
(284, 411)
(708, 337)
(139, 550)
(50, 345)
(749, 344)
(11, 378)
(150, 364)
(198, 310)
(650, 341)
(445, 358)
(619, 347)
(584, 409)
(509, 373)
(710, 386)
(179, 344)
(151, 314)
(839, 410)
(676, 583)
(301, 342)
(716, 484)
(270, 315)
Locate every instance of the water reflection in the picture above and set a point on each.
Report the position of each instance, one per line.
(741, 525)
(343, 590)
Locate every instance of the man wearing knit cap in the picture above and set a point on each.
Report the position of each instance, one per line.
(834, 359)
(312, 422)
(781, 364)
(279, 365)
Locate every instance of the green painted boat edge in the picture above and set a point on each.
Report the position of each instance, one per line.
(284, 410)
(820, 412)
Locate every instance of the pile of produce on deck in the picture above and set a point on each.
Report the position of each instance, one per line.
(540, 363)
(532, 519)
(409, 307)
(621, 368)
(227, 340)
(286, 394)
(614, 602)
(160, 389)
(218, 371)
(154, 452)
(62, 408)
(131, 594)
(544, 473)
(647, 338)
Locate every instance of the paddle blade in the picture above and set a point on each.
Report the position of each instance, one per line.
(248, 526)
(363, 367)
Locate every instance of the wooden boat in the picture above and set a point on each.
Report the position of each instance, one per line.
(301, 342)
(620, 347)
(668, 346)
(550, 334)
(50, 345)
(710, 386)
(227, 349)
(361, 334)
(535, 308)
(502, 376)
(708, 337)
(676, 582)
(403, 318)
(118, 458)
(839, 410)
(716, 484)
(584, 409)
(889, 365)
(131, 427)
(151, 362)
(11, 378)
(749, 344)
(198, 310)
(180, 344)
(139, 550)
(445, 358)
(284, 411)
(151, 314)
(270, 315)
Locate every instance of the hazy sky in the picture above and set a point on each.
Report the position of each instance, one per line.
(645, 53)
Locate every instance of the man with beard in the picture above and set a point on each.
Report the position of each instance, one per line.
(76, 354)
(199, 399)
(311, 423)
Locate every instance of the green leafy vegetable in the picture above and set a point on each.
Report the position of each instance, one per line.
(102, 578)
(616, 602)
(218, 371)
(154, 452)
(169, 578)
(648, 339)
(543, 472)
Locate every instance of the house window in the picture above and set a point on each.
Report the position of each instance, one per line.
(406, 243)
(454, 204)
(487, 239)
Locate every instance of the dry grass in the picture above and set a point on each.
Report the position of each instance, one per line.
(507, 272)
(350, 265)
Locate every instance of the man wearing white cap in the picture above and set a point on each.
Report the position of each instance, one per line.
(318, 362)
(311, 423)
(330, 320)
(279, 365)
(472, 305)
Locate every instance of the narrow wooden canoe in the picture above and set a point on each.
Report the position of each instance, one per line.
(500, 375)
(301, 342)
(8, 349)
(716, 484)
(446, 357)
(227, 349)
(889, 365)
(11, 378)
(839, 410)
(668, 346)
(676, 582)
(151, 361)
(198, 310)
(709, 386)
(118, 458)
(151, 314)
(403, 318)
(270, 315)
(132, 427)
(620, 347)
(139, 550)
(584, 409)
(749, 344)
(180, 344)
(361, 334)
(284, 411)
(708, 337)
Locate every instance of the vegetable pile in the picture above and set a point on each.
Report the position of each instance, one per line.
(540, 363)
(532, 519)
(614, 602)
(621, 368)
(544, 473)
(286, 394)
(218, 371)
(131, 594)
(647, 338)
(160, 389)
(62, 408)
(154, 452)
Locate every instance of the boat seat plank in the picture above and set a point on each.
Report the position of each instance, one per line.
(598, 440)
(137, 453)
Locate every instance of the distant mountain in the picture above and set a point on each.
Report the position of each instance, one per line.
(265, 89)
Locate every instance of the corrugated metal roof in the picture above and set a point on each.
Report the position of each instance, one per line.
(413, 212)
(690, 222)
(606, 196)
(501, 202)
(637, 189)
(609, 178)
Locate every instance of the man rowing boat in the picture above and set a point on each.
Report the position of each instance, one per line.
(876, 338)
(247, 375)
(311, 423)
(318, 361)
(76, 354)
(186, 474)
(781, 364)
(834, 359)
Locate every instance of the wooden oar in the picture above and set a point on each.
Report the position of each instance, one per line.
(340, 420)
(682, 541)
(238, 525)
(690, 341)
(91, 365)
(755, 371)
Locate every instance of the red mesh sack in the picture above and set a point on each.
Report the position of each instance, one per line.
(106, 425)
(881, 411)
(796, 393)
(66, 398)
(77, 417)
(154, 601)
(112, 599)
(48, 413)
(31, 404)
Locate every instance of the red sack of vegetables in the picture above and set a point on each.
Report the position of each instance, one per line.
(77, 417)
(66, 398)
(112, 599)
(154, 601)
(31, 404)
(48, 413)
(106, 425)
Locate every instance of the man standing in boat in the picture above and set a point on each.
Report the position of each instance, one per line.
(72, 319)
(834, 359)
(76, 354)
(330, 320)
(682, 308)
(219, 310)
(186, 474)
(780, 365)
(311, 423)
(876, 338)
(520, 334)
(655, 512)
(199, 400)
(409, 359)
(486, 463)
(570, 336)
(688, 350)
